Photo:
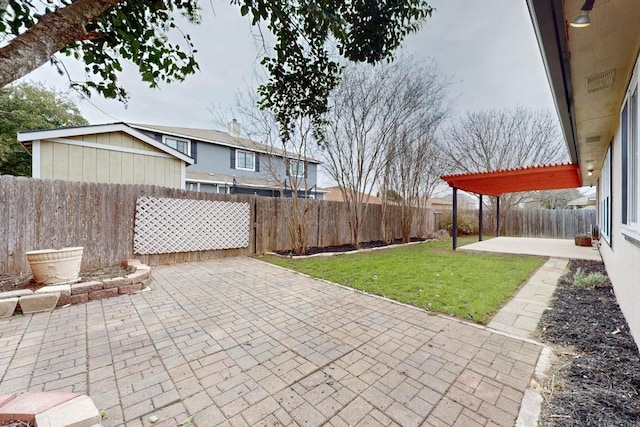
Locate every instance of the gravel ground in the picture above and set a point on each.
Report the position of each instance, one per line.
(596, 379)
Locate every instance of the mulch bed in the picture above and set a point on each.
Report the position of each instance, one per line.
(348, 248)
(13, 282)
(596, 380)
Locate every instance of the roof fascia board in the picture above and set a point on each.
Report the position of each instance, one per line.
(97, 129)
(548, 21)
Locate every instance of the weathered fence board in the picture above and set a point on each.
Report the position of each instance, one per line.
(38, 214)
(543, 223)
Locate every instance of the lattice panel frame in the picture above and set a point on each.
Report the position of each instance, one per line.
(165, 225)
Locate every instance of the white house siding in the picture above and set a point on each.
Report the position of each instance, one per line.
(80, 163)
(622, 258)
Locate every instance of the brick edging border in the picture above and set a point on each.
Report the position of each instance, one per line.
(51, 296)
(50, 409)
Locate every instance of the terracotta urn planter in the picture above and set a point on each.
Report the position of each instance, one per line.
(55, 266)
(583, 240)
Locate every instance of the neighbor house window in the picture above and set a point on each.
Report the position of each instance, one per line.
(296, 168)
(182, 145)
(630, 165)
(245, 160)
(605, 198)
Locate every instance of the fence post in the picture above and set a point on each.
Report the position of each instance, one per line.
(255, 225)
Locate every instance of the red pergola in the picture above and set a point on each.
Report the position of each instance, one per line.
(497, 183)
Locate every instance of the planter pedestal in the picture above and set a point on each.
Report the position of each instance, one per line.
(55, 266)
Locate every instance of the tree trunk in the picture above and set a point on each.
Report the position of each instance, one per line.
(49, 35)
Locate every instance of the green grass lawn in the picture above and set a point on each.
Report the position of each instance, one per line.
(429, 275)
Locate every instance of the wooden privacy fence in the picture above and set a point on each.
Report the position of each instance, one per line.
(543, 223)
(40, 214)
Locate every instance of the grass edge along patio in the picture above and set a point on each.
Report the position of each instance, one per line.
(431, 276)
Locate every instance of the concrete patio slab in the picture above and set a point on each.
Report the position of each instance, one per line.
(241, 342)
(556, 248)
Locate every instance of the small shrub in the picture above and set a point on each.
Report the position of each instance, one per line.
(467, 224)
(588, 280)
(440, 234)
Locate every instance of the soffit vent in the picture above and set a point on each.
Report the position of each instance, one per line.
(601, 81)
(592, 139)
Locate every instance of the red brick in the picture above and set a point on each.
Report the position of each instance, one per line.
(73, 299)
(116, 282)
(84, 287)
(127, 289)
(104, 293)
(139, 276)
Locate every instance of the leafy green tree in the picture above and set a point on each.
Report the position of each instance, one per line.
(106, 33)
(28, 106)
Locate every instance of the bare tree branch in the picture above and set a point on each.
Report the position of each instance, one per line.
(494, 140)
(378, 113)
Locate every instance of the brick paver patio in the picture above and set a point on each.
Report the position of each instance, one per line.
(240, 342)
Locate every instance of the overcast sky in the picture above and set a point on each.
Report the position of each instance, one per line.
(488, 48)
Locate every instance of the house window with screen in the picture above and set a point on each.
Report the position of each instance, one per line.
(296, 168)
(605, 198)
(630, 142)
(245, 160)
(182, 145)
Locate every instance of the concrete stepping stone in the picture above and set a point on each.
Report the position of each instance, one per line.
(8, 306)
(39, 302)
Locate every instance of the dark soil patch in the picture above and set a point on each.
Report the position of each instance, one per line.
(597, 379)
(348, 248)
(13, 282)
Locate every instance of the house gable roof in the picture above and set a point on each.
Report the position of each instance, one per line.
(216, 137)
(27, 137)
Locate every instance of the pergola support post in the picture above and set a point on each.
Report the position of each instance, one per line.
(480, 221)
(498, 216)
(454, 230)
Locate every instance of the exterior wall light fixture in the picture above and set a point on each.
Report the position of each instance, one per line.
(582, 20)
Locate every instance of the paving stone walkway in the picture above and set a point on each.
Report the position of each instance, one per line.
(240, 342)
(520, 316)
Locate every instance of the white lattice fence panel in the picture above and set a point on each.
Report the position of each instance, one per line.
(184, 225)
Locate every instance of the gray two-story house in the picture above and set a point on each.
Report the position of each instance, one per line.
(225, 162)
(192, 159)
